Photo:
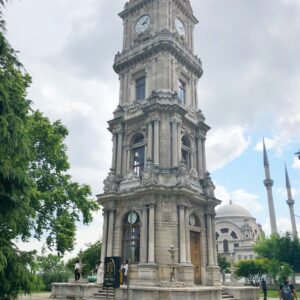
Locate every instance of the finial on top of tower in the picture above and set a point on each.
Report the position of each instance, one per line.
(266, 160)
(287, 179)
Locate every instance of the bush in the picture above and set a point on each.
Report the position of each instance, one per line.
(54, 276)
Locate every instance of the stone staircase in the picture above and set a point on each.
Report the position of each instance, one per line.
(226, 296)
(104, 294)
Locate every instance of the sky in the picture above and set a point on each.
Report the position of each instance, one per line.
(250, 89)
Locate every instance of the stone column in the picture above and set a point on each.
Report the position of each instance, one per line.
(179, 142)
(110, 237)
(188, 242)
(119, 153)
(182, 235)
(100, 272)
(203, 156)
(151, 245)
(156, 142)
(174, 144)
(210, 240)
(150, 142)
(144, 233)
(128, 167)
(104, 235)
(213, 221)
(200, 157)
(113, 162)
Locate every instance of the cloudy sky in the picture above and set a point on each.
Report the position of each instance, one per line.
(250, 89)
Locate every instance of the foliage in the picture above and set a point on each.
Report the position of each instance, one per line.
(278, 270)
(37, 195)
(223, 263)
(52, 269)
(284, 248)
(18, 272)
(89, 258)
(252, 269)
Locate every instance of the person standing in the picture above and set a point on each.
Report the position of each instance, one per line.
(125, 272)
(264, 288)
(287, 291)
(77, 270)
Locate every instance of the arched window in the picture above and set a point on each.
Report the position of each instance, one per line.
(234, 235)
(182, 91)
(138, 149)
(225, 246)
(186, 151)
(131, 237)
(217, 236)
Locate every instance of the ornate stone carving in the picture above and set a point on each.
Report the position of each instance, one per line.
(208, 185)
(110, 183)
(184, 178)
(193, 173)
(149, 178)
(135, 107)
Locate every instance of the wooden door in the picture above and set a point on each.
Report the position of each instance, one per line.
(196, 255)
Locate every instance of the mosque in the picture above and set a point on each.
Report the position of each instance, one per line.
(237, 231)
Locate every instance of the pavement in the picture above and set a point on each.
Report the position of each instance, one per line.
(46, 296)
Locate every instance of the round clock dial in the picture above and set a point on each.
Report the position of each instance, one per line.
(179, 27)
(142, 24)
(132, 217)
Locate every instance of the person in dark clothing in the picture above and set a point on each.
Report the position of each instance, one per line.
(287, 291)
(264, 288)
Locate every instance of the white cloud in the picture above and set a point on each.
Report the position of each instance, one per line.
(296, 164)
(224, 145)
(240, 197)
(283, 226)
(269, 143)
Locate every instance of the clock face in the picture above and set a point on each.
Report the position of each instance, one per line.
(179, 27)
(142, 24)
(132, 217)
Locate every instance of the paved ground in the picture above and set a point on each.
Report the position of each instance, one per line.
(46, 296)
(43, 296)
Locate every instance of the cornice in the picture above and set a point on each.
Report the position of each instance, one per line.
(134, 5)
(163, 41)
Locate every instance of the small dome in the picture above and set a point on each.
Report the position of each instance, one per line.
(232, 210)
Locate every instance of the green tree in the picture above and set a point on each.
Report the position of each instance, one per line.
(284, 249)
(252, 269)
(224, 265)
(37, 196)
(89, 257)
(51, 269)
(278, 270)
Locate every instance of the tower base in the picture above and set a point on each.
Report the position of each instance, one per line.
(169, 293)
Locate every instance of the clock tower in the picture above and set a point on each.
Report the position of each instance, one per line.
(158, 201)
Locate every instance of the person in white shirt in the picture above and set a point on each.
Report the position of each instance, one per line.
(125, 272)
(77, 270)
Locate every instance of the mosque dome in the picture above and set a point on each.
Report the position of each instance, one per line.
(232, 210)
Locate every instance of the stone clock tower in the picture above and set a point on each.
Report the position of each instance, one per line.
(158, 195)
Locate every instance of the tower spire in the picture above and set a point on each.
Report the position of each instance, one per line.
(290, 202)
(268, 182)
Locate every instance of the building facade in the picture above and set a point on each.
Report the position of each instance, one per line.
(236, 232)
(158, 196)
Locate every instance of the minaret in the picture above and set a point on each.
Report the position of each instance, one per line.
(268, 182)
(290, 202)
